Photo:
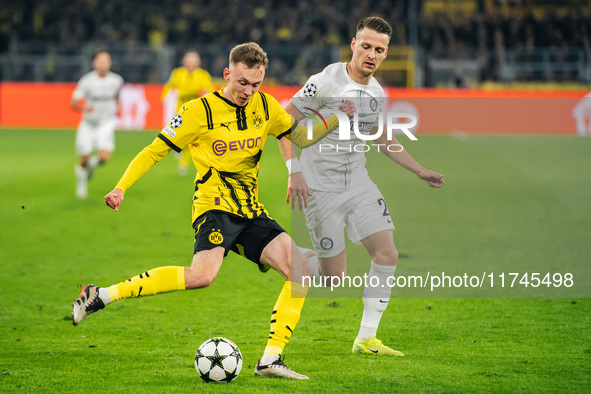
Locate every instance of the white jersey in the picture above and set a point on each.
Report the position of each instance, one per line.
(342, 166)
(99, 93)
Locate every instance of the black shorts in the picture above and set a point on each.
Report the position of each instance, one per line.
(247, 237)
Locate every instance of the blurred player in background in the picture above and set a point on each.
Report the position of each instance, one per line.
(342, 194)
(225, 132)
(189, 82)
(582, 115)
(97, 96)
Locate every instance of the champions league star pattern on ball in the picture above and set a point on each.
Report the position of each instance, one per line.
(218, 360)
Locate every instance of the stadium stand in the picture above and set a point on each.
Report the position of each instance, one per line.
(457, 43)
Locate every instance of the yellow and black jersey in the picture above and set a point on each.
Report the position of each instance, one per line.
(226, 142)
(190, 85)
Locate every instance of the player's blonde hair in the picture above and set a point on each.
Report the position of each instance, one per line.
(249, 53)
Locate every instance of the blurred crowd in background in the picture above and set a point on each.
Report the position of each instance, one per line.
(302, 22)
(480, 30)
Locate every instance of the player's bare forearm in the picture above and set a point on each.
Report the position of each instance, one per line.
(297, 188)
(405, 159)
(117, 105)
(401, 157)
(287, 149)
(80, 105)
(76, 105)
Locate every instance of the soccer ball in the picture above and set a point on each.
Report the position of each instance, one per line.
(218, 360)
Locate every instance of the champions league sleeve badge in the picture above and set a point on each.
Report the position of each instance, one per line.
(309, 90)
(176, 121)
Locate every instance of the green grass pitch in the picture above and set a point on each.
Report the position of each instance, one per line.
(510, 204)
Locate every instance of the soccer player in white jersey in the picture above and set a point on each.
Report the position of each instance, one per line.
(96, 95)
(342, 194)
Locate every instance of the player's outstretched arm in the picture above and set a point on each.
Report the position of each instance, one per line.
(297, 188)
(299, 134)
(141, 164)
(80, 105)
(434, 179)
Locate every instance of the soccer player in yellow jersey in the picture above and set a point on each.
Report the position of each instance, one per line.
(225, 132)
(190, 82)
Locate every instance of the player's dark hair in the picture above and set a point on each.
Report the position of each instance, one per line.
(249, 53)
(377, 24)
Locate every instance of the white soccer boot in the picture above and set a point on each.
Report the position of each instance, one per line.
(87, 303)
(277, 369)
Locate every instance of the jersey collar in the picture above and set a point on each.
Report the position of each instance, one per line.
(217, 93)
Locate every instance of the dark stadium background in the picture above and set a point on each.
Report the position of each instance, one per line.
(457, 43)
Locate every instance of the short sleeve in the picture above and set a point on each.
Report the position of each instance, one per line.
(314, 93)
(80, 91)
(281, 121)
(120, 81)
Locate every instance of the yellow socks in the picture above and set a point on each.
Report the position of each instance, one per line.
(155, 281)
(285, 316)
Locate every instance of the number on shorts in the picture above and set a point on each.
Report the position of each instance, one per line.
(381, 202)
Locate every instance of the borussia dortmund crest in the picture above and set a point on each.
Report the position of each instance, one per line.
(257, 120)
(216, 237)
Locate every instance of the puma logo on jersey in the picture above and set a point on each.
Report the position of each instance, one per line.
(227, 126)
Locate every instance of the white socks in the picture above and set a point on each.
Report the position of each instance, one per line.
(375, 299)
(268, 359)
(103, 293)
(93, 161)
(81, 181)
(313, 260)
